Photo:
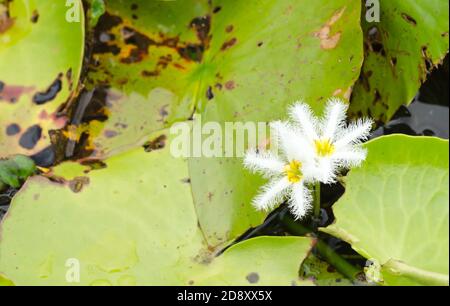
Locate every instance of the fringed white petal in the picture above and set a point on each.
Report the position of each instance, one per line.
(352, 157)
(264, 162)
(272, 194)
(302, 114)
(326, 170)
(311, 172)
(355, 133)
(291, 142)
(334, 119)
(300, 201)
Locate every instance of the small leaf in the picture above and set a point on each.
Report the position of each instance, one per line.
(15, 170)
(96, 10)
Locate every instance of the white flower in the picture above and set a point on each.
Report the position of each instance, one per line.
(334, 143)
(289, 174)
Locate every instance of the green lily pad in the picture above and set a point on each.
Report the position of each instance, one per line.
(157, 62)
(408, 42)
(395, 209)
(4, 282)
(40, 63)
(130, 223)
(222, 193)
(161, 61)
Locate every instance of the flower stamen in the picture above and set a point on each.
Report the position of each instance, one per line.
(293, 171)
(324, 147)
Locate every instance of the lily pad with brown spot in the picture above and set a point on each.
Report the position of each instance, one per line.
(156, 240)
(40, 63)
(245, 61)
(408, 42)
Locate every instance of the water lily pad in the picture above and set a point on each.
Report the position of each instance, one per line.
(132, 222)
(263, 56)
(40, 62)
(161, 61)
(410, 39)
(395, 209)
(222, 192)
(4, 282)
(157, 62)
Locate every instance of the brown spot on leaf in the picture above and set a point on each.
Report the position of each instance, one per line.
(202, 26)
(192, 52)
(228, 44)
(146, 73)
(230, 85)
(12, 129)
(78, 183)
(93, 164)
(253, 278)
(30, 137)
(156, 144)
(374, 41)
(328, 40)
(210, 196)
(12, 93)
(364, 79)
(52, 91)
(186, 180)
(6, 22)
(45, 158)
(409, 19)
(209, 93)
(138, 46)
(379, 100)
(337, 92)
(229, 28)
(178, 66)
(163, 113)
(110, 133)
(393, 61)
(35, 16)
(428, 62)
(69, 78)
(348, 93)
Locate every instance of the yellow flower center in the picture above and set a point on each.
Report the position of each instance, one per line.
(293, 171)
(324, 147)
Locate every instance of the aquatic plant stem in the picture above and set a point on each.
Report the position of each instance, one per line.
(317, 201)
(324, 250)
